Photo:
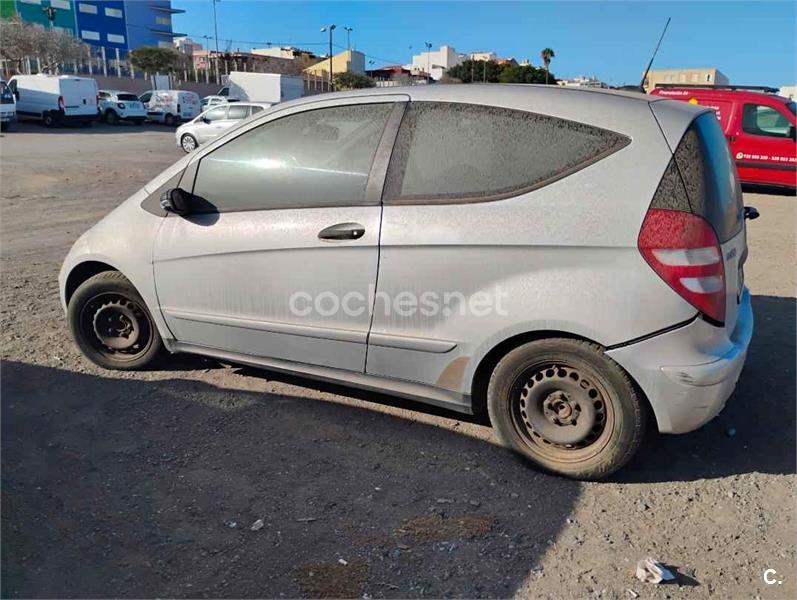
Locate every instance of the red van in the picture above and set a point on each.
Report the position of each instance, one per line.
(759, 125)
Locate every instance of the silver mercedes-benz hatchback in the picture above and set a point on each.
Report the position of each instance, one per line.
(569, 261)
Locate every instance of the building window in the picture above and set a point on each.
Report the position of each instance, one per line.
(62, 29)
(62, 4)
(164, 44)
(116, 39)
(89, 9)
(30, 1)
(163, 20)
(90, 35)
(113, 12)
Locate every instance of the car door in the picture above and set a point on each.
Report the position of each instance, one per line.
(209, 125)
(280, 254)
(764, 147)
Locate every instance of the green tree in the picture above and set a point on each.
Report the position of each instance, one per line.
(154, 59)
(20, 40)
(547, 54)
(470, 71)
(524, 74)
(352, 81)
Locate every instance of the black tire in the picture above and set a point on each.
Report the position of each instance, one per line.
(567, 407)
(138, 121)
(48, 118)
(168, 120)
(131, 340)
(188, 143)
(111, 117)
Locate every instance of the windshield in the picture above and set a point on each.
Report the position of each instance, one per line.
(5, 93)
(127, 97)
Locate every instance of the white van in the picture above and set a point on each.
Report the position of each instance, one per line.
(55, 99)
(8, 108)
(170, 106)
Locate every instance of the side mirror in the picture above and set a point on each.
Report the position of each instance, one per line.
(16, 94)
(751, 212)
(205, 120)
(177, 201)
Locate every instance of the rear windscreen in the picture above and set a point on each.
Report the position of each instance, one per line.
(127, 97)
(709, 175)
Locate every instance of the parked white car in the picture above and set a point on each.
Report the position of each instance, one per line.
(118, 106)
(170, 106)
(55, 99)
(8, 108)
(211, 101)
(213, 123)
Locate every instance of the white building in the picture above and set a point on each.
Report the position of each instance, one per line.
(788, 91)
(186, 45)
(485, 56)
(435, 63)
(583, 82)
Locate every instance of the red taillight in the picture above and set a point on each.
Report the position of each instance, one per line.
(684, 251)
(60, 102)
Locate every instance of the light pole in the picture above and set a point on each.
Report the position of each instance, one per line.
(428, 61)
(216, 35)
(348, 36)
(329, 28)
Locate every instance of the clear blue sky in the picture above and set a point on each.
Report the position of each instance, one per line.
(752, 42)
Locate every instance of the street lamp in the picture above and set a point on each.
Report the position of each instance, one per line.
(329, 28)
(428, 61)
(49, 11)
(348, 36)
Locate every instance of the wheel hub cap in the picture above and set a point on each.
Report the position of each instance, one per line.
(561, 408)
(116, 325)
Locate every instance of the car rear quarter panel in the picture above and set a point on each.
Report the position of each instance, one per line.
(564, 257)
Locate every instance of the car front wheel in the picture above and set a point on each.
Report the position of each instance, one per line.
(111, 325)
(188, 143)
(111, 117)
(567, 407)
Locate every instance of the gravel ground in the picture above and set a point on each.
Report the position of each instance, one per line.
(148, 484)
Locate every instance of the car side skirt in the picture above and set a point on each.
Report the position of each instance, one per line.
(404, 389)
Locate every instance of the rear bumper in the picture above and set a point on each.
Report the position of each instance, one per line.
(688, 374)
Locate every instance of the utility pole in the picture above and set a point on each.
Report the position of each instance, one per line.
(216, 35)
(428, 61)
(348, 37)
(329, 28)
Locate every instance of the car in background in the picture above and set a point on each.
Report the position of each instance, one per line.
(758, 124)
(8, 107)
(569, 261)
(210, 101)
(116, 106)
(55, 99)
(214, 122)
(171, 106)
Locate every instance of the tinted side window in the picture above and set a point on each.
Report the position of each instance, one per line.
(315, 158)
(449, 152)
(238, 112)
(764, 120)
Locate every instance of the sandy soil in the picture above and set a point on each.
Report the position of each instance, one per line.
(147, 484)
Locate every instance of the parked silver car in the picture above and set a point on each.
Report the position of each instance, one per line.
(569, 261)
(214, 122)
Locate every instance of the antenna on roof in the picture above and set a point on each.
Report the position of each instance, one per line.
(650, 64)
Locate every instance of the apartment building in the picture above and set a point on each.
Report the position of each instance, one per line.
(702, 76)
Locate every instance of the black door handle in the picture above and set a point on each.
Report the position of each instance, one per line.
(342, 231)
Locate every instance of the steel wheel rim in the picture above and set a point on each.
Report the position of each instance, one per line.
(561, 412)
(116, 326)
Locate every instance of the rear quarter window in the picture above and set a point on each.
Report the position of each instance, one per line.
(451, 152)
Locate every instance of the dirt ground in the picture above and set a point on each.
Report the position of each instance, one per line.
(147, 484)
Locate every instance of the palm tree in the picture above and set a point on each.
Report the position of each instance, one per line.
(547, 54)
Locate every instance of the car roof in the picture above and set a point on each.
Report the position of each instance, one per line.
(616, 110)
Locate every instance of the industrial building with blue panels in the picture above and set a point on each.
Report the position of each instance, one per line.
(111, 24)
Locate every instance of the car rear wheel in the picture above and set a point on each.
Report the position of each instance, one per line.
(111, 325)
(111, 117)
(566, 407)
(48, 118)
(188, 143)
(169, 120)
